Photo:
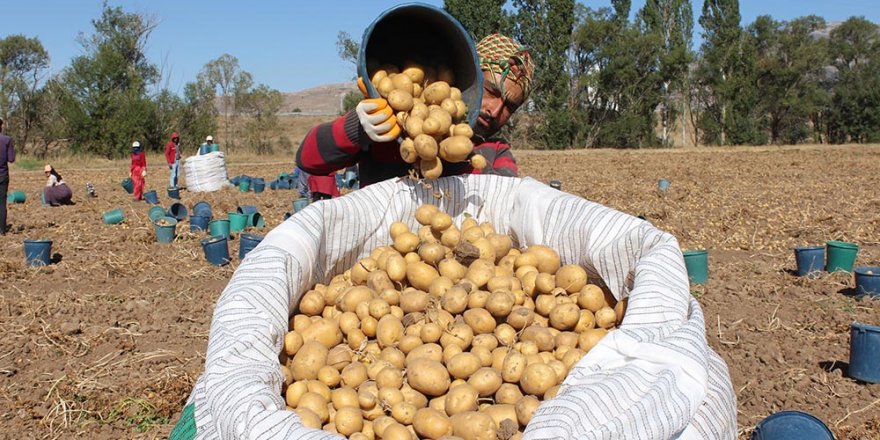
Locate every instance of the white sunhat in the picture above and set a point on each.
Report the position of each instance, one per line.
(209, 138)
(135, 144)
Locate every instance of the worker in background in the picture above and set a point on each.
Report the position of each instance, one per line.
(172, 156)
(138, 169)
(367, 136)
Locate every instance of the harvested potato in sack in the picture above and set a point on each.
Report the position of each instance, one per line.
(653, 378)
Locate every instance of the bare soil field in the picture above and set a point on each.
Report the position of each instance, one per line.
(107, 342)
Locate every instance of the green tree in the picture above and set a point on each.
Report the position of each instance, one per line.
(231, 83)
(261, 105)
(347, 49)
(23, 62)
(350, 101)
(105, 103)
(672, 23)
(854, 113)
(480, 17)
(545, 26)
(198, 116)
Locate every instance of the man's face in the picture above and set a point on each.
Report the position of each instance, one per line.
(499, 103)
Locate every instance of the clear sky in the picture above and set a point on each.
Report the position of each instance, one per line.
(288, 45)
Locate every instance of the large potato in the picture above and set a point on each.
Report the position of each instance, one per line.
(427, 377)
(309, 360)
(473, 425)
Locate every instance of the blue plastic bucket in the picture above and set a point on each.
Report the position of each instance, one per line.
(791, 425)
(156, 213)
(300, 204)
(864, 352)
(273, 185)
(166, 228)
(810, 260)
(203, 209)
(37, 252)
(113, 217)
(216, 250)
(283, 184)
(247, 243)
(128, 185)
(246, 209)
(662, 184)
(427, 35)
(868, 280)
(198, 223)
(258, 185)
(287, 215)
(151, 197)
(174, 193)
(349, 179)
(219, 228)
(178, 211)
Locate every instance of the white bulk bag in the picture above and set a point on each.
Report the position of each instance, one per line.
(654, 378)
(205, 172)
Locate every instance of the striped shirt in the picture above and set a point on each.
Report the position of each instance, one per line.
(342, 143)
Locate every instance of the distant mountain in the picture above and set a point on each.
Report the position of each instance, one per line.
(322, 100)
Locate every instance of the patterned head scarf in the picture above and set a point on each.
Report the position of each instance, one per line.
(505, 56)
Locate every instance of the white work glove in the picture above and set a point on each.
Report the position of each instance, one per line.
(144, 173)
(378, 120)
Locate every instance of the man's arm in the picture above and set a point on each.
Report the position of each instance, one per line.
(10, 151)
(332, 146)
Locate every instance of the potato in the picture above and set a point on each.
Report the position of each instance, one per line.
(461, 111)
(520, 317)
(431, 168)
(451, 268)
(400, 100)
(294, 392)
(500, 303)
(419, 110)
(384, 87)
(461, 399)
(480, 320)
(542, 337)
(432, 352)
(436, 92)
(505, 334)
(317, 404)
(354, 374)
(501, 412)
(431, 332)
(478, 161)
(308, 418)
(486, 381)
(396, 431)
(342, 397)
(432, 424)
(513, 367)
(548, 259)
(432, 253)
(328, 376)
(403, 412)
(474, 426)
(588, 339)
(389, 331)
(406, 242)
(455, 300)
(293, 341)
(397, 228)
(349, 300)
(308, 360)
(427, 377)
(537, 378)
(606, 318)
(620, 309)
(403, 83)
(525, 408)
(349, 420)
(571, 277)
(432, 126)
(458, 334)
(487, 252)
(369, 325)
(312, 303)
(456, 148)
(565, 316)
(426, 147)
(414, 300)
(448, 105)
(463, 365)
(408, 148)
(480, 272)
(585, 322)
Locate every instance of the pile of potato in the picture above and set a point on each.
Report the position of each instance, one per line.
(447, 333)
(432, 114)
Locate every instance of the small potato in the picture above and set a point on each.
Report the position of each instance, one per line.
(480, 320)
(478, 161)
(385, 87)
(455, 300)
(486, 381)
(397, 228)
(514, 366)
(395, 268)
(400, 100)
(431, 332)
(349, 420)
(474, 425)
(451, 268)
(317, 404)
(436, 92)
(502, 413)
(396, 431)
(506, 334)
(620, 309)
(458, 334)
(408, 148)
(564, 316)
(456, 148)
(542, 337)
(414, 71)
(500, 303)
(537, 378)
(403, 412)
(431, 424)
(448, 105)
(508, 393)
(606, 318)
(420, 276)
(461, 399)
(463, 365)
(342, 397)
(312, 303)
(413, 397)
(431, 352)
(432, 253)
(588, 339)
(525, 408)
(354, 375)
(585, 322)
(520, 318)
(480, 272)
(545, 283)
(294, 392)
(571, 277)
(308, 418)
(440, 222)
(431, 168)
(406, 242)
(329, 376)
(464, 130)
(426, 147)
(293, 341)
(403, 83)
(389, 331)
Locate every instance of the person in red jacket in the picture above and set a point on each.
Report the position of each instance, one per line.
(172, 156)
(367, 135)
(138, 169)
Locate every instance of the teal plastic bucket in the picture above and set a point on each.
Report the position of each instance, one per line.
(128, 185)
(662, 184)
(213, 148)
(166, 228)
(237, 222)
(178, 211)
(247, 242)
(219, 228)
(156, 213)
(255, 220)
(16, 197)
(429, 36)
(841, 256)
(216, 250)
(113, 217)
(697, 263)
(244, 185)
(38, 252)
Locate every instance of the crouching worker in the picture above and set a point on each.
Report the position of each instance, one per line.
(367, 136)
(56, 192)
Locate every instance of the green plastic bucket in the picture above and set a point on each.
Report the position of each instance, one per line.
(697, 263)
(166, 228)
(244, 185)
(219, 228)
(113, 217)
(156, 213)
(16, 197)
(237, 222)
(841, 256)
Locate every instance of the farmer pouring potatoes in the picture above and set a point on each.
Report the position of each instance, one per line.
(138, 169)
(367, 136)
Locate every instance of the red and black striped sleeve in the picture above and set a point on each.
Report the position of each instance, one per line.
(332, 146)
(499, 159)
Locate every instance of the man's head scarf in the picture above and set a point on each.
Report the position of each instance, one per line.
(503, 55)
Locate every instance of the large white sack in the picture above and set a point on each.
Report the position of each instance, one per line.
(654, 378)
(206, 172)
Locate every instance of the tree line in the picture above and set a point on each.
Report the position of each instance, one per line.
(113, 94)
(603, 79)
